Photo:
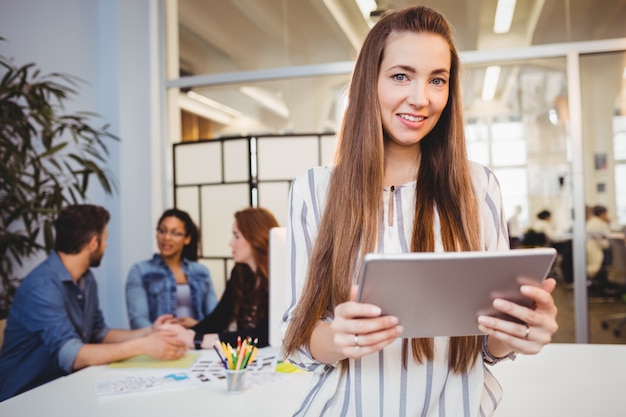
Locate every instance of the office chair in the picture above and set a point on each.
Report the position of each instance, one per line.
(617, 276)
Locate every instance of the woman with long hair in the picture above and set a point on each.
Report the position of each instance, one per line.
(401, 182)
(243, 309)
(172, 282)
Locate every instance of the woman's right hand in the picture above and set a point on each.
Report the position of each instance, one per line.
(359, 329)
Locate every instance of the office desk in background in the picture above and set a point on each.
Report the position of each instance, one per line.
(573, 380)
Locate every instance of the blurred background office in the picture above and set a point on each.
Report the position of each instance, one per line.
(219, 104)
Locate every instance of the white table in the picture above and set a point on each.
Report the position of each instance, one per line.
(573, 380)
(75, 395)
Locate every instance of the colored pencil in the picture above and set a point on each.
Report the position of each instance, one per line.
(254, 353)
(247, 359)
(237, 358)
(240, 354)
(220, 356)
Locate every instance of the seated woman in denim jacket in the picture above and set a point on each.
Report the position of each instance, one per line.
(172, 282)
(243, 309)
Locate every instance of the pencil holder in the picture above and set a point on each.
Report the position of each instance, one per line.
(235, 380)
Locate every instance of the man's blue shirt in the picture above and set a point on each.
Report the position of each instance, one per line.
(50, 320)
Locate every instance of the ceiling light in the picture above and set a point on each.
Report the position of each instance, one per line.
(271, 100)
(343, 20)
(367, 7)
(212, 103)
(207, 108)
(492, 74)
(504, 16)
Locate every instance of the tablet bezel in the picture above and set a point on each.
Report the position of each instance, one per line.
(467, 282)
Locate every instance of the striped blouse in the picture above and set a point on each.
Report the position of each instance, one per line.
(377, 384)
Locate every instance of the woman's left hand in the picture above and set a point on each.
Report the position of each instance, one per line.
(540, 322)
(187, 322)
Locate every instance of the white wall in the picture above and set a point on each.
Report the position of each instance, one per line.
(112, 45)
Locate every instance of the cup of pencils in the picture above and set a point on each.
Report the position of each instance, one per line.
(236, 361)
(235, 380)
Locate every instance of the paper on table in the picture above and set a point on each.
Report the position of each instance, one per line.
(139, 383)
(198, 369)
(145, 361)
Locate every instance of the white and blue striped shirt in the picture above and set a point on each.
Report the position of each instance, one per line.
(377, 384)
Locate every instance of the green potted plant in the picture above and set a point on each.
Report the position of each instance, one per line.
(47, 159)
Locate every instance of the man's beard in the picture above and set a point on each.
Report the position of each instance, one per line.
(95, 258)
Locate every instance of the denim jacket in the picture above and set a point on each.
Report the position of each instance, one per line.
(151, 291)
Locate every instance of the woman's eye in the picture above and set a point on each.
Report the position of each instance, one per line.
(439, 81)
(399, 77)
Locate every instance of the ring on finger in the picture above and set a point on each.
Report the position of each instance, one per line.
(356, 342)
(527, 332)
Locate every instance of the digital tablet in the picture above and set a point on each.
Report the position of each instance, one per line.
(442, 294)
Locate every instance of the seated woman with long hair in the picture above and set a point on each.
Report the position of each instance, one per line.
(243, 309)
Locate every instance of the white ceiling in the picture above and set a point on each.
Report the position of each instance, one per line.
(241, 35)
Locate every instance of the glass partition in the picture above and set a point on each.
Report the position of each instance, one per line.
(520, 133)
(603, 97)
(251, 73)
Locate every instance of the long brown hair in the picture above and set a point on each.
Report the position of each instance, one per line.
(250, 307)
(349, 227)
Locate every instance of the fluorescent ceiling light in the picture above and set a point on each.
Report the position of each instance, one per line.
(343, 21)
(205, 107)
(504, 16)
(214, 104)
(492, 74)
(366, 7)
(269, 99)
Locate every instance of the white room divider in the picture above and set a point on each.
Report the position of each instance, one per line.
(215, 178)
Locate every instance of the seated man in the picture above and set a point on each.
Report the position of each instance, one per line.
(55, 325)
